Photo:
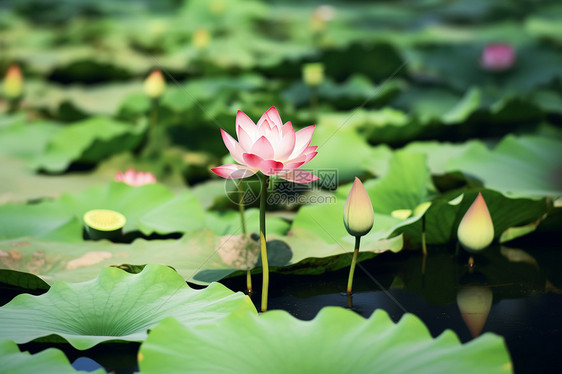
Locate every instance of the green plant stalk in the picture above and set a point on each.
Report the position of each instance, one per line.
(243, 224)
(353, 263)
(265, 265)
(152, 146)
(314, 100)
(424, 244)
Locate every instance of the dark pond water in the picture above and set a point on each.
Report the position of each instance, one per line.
(522, 283)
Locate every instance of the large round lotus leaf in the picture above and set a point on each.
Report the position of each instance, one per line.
(115, 306)
(49, 361)
(88, 141)
(36, 135)
(228, 222)
(525, 166)
(151, 208)
(47, 220)
(19, 184)
(334, 142)
(336, 341)
(405, 185)
(445, 213)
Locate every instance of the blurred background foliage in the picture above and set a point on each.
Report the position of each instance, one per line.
(391, 72)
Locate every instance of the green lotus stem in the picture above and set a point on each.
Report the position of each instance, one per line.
(243, 223)
(13, 105)
(314, 101)
(265, 265)
(353, 262)
(424, 244)
(152, 146)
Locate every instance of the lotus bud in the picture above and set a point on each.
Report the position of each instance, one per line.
(13, 83)
(155, 84)
(201, 38)
(498, 57)
(313, 74)
(321, 16)
(476, 230)
(135, 178)
(358, 215)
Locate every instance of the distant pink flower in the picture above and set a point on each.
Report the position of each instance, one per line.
(269, 147)
(135, 178)
(498, 57)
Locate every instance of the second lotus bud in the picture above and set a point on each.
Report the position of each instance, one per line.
(358, 215)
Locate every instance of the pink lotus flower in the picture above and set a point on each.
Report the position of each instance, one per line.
(135, 178)
(498, 57)
(269, 147)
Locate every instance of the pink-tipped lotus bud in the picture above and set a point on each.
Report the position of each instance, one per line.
(476, 230)
(358, 215)
(154, 85)
(498, 57)
(13, 83)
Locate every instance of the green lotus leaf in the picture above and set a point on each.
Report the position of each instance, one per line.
(20, 184)
(79, 100)
(439, 153)
(405, 185)
(47, 220)
(527, 165)
(181, 213)
(442, 218)
(548, 28)
(151, 208)
(49, 361)
(116, 306)
(25, 140)
(387, 125)
(311, 254)
(335, 140)
(228, 222)
(88, 141)
(336, 341)
(465, 107)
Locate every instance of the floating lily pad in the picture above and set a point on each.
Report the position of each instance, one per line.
(49, 361)
(19, 183)
(334, 140)
(152, 208)
(528, 166)
(228, 222)
(88, 141)
(26, 140)
(406, 185)
(116, 306)
(443, 217)
(336, 341)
